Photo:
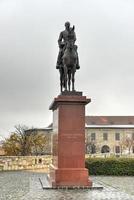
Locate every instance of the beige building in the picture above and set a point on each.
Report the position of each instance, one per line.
(110, 134)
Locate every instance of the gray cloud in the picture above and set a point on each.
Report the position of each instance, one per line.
(29, 31)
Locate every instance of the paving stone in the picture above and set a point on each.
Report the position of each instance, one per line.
(26, 185)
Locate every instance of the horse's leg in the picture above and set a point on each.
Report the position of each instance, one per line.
(69, 79)
(61, 79)
(65, 77)
(73, 79)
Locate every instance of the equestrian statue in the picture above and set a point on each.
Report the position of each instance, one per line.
(68, 60)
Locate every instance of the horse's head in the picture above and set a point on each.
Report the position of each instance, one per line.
(71, 33)
(70, 44)
(71, 38)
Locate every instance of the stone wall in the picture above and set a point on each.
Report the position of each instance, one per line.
(24, 162)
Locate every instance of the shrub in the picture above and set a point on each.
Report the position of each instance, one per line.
(110, 166)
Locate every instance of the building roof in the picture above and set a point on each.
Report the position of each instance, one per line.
(38, 129)
(100, 122)
(109, 120)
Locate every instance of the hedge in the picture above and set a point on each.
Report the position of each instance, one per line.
(110, 166)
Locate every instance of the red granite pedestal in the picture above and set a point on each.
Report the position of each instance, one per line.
(68, 165)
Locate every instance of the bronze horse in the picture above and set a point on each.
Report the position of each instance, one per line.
(69, 61)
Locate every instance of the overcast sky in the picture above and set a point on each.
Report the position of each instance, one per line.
(29, 81)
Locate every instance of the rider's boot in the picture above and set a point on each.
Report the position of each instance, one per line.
(59, 60)
(77, 65)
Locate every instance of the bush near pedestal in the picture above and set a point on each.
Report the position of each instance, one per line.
(110, 166)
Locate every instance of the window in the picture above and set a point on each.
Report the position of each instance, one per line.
(93, 136)
(117, 136)
(105, 149)
(105, 136)
(117, 149)
(35, 161)
(92, 148)
(40, 161)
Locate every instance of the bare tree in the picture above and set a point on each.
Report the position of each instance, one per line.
(90, 146)
(127, 144)
(24, 143)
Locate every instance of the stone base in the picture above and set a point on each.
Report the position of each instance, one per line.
(71, 177)
(71, 93)
(46, 184)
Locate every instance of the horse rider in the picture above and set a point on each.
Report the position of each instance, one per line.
(62, 42)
